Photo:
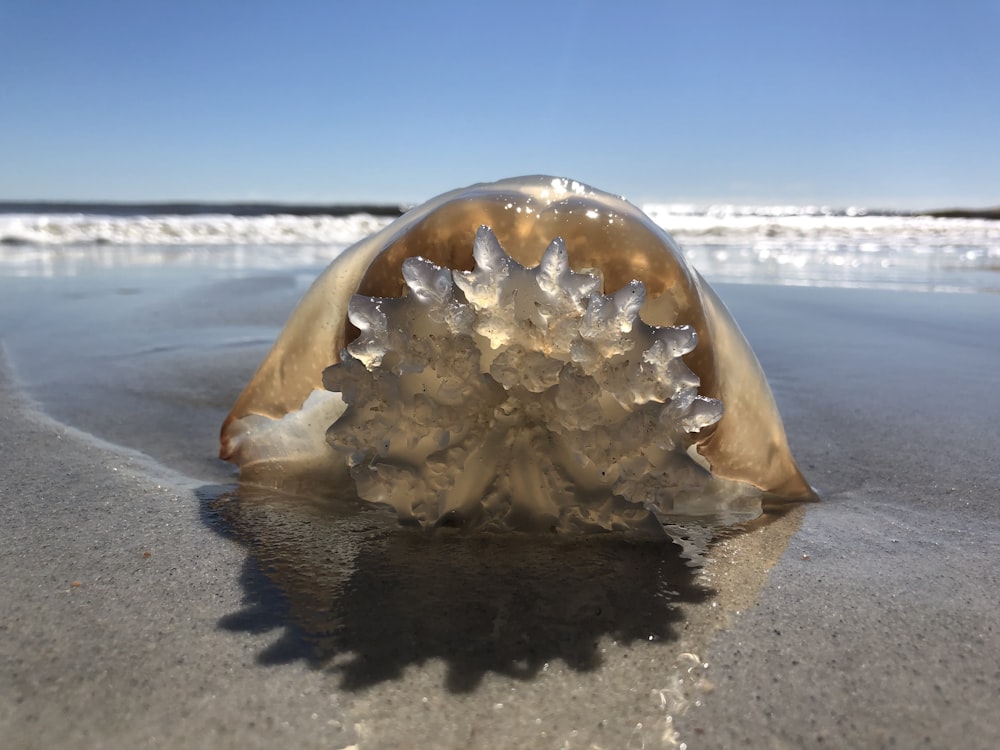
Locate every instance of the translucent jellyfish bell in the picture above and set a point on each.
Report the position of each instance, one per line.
(499, 359)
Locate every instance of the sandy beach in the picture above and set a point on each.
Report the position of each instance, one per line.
(140, 609)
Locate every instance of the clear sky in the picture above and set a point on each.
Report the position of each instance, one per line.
(859, 102)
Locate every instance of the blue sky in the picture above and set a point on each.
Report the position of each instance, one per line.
(861, 102)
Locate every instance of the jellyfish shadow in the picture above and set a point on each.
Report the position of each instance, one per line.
(351, 591)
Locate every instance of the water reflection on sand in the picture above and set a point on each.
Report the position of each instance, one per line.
(388, 610)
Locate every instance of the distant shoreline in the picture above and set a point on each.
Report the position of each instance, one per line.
(962, 213)
(197, 208)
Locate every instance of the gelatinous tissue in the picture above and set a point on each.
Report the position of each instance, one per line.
(529, 354)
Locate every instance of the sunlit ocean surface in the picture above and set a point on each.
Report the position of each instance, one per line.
(789, 245)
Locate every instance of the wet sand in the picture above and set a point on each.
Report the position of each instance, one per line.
(866, 620)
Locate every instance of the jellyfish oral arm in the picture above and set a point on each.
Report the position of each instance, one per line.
(563, 408)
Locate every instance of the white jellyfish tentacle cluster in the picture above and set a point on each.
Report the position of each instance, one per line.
(513, 397)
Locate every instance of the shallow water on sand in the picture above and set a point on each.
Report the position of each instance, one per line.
(890, 400)
(382, 598)
(151, 358)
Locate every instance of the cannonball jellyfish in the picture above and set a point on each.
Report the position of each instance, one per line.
(529, 354)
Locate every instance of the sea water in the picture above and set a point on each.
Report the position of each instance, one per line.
(792, 245)
(142, 327)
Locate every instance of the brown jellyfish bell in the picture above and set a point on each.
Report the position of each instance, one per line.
(526, 354)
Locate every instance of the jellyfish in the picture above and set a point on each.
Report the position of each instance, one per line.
(528, 354)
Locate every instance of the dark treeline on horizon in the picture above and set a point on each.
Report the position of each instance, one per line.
(964, 213)
(194, 208)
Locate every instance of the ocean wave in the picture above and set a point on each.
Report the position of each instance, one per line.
(809, 223)
(771, 244)
(173, 229)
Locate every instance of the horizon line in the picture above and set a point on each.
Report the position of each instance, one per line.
(391, 209)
